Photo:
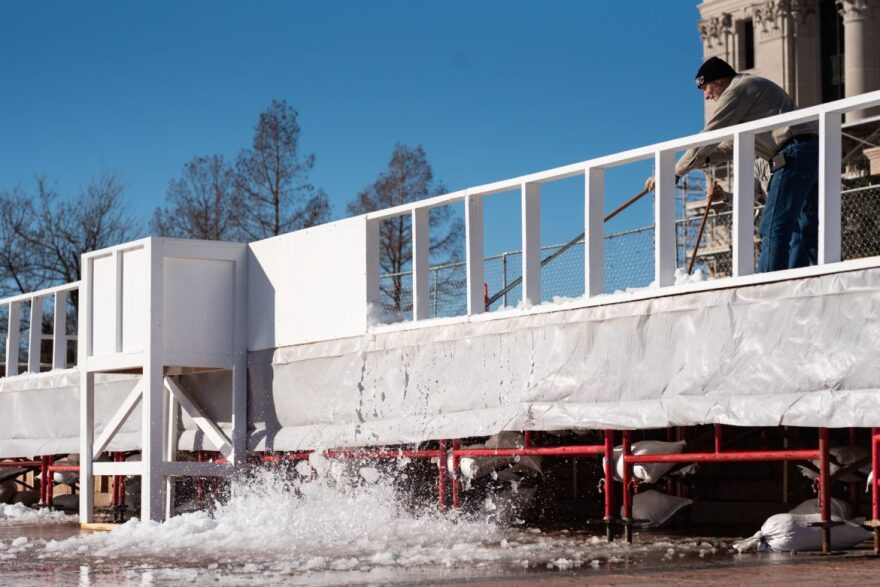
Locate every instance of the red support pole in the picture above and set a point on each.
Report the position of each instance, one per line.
(854, 493)
(824, 490)
(50, 480)
(527, 439)
(456, 459)
(441, 477)
(875, 487)
(719, 438)
(608, 463)
(627, 490)
(44, 479)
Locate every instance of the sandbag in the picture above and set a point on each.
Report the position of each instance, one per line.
(839, 508)
(792, 532)
(648, 472)
(841, 457)
(652, 509)
(8, 489)
(477, 467)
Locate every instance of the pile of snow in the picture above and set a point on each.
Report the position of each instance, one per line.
(793, 532)
(18, 513)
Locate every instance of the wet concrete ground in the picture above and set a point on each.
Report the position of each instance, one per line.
(653, 565)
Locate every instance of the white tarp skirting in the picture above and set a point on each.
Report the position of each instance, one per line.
(803, 352)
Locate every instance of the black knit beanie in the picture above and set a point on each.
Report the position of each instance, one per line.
(713, 69)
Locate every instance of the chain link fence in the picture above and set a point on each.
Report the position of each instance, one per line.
(629, 259)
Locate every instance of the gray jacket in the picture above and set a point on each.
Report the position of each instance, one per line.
(747, 98)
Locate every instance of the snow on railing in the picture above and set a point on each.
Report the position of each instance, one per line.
(829, 117)
(59, 336)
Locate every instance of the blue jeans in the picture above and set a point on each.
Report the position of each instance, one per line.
(790, 225)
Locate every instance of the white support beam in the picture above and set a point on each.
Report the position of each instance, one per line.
(594, 231)
(13, 338)
(122, 413)
(829, 188)
(473, 224)
(743, 204)
(420, 259)
(664, 219)
(195, 469)
(59, 331)
(35, 334)
(86, 397)
(152, 427)
(213, 432)
(239, 412)
(531, 244)
(117, 259)
(170, 450)
(121, 468)
(372, 262)
(86, 436)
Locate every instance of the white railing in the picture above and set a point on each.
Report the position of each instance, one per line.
(828, 116)
(59, 336)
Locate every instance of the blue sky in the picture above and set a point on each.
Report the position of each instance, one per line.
(490, 89)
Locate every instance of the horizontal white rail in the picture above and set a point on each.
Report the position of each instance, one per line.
(35, 337)
(829, 122)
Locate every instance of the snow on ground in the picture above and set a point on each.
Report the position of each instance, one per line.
(343, 525)
(20, 514)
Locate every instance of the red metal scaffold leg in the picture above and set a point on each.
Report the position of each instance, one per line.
(44, 479)
(456, 460)
(608, 463)
(824, 490)
(627, 490)
(875, 488)
(441, 477)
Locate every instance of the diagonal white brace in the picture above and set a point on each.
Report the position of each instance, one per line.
(205, 424)
(118, 419)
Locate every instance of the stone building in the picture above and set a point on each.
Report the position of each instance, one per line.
(819, 51)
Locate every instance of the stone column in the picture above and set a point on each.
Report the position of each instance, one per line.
(861, 51)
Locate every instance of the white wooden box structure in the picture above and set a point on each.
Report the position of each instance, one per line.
(158, 308)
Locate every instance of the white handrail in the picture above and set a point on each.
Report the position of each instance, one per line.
(59, 334)
(829, 119)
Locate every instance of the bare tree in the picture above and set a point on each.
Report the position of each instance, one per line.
(42, 235)
(409, 177)
(272, 177)
(18, 267)
(203, 202)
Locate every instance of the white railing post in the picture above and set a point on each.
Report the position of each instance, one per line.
(420, 260)
(372, 263)
(473, 224)
(829, 187)
(59, 331)
(664, 218)
(531, 244)
(35, 334)
(743, 204)
(13, 338)
(594, 231)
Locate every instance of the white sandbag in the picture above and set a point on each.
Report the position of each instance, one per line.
(477, 467)
(841, 457)
(67, 502)
(792, 532)
(648, 472)
(839, 508)
(652, 509)
(8, 489)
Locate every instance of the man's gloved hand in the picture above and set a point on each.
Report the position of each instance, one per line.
(649, 184)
